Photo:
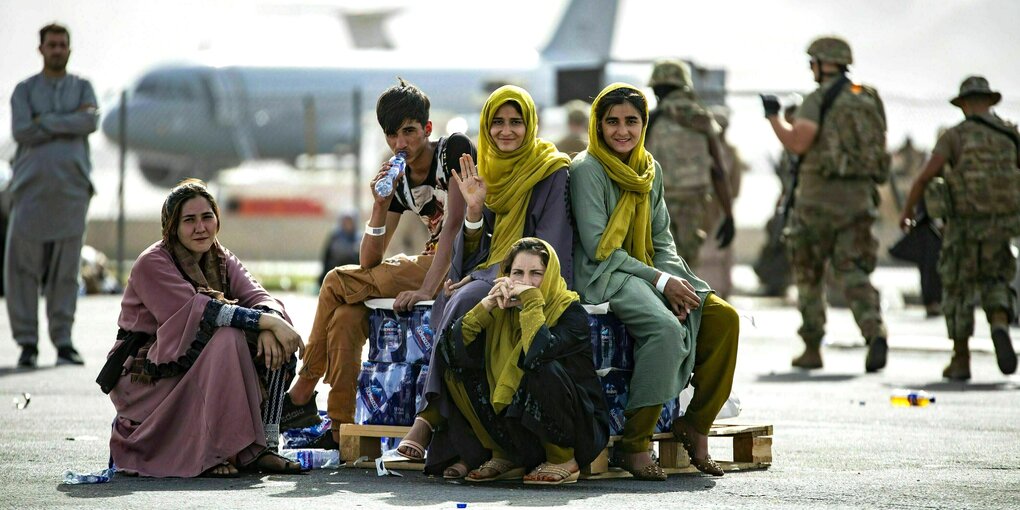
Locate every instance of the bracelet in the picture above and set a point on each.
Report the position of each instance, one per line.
(375, 231)
(660, 283)
(474, 225)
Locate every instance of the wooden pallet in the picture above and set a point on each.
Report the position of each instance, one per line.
(752, 449)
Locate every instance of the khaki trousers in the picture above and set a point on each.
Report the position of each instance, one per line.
(334, 347)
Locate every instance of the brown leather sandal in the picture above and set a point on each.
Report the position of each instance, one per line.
(652, 472)
(706, 465)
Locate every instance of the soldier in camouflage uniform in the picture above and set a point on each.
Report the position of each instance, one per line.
(716, 264)
(980, 202)
(840, 134)
(684, 137)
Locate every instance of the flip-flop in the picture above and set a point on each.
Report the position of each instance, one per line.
(208, 473)
(552, 469)
(505, 470)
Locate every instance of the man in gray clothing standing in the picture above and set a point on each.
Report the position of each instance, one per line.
(53, 113)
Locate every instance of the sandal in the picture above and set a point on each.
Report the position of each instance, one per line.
(504, 469)
(565, 476)
(706, 465)
(456, 471)
(652, 472)
(262, 464)
(211, 472)
(416, 449)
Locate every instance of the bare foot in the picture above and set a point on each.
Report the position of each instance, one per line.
(223, 470)
(637, 461)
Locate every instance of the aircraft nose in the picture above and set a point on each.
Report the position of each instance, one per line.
(111, 123)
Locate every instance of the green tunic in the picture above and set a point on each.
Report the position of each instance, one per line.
(663, 346)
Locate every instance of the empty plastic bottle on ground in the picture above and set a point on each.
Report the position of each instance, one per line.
(313, 458)
(384, 187)
(911, 398)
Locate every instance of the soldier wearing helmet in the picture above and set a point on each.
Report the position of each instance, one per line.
(576, 139)
(981, 214)
(839, 136)
(684, 137)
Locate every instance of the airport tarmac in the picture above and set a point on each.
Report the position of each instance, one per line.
(838, 442)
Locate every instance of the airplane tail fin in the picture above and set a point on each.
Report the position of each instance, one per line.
(585, 33)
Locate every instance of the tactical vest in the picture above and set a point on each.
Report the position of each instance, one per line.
(681, 150)
(985, 181)
(851, 142)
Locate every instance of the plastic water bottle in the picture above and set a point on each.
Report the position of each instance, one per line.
(313, 458)
(911, 398)
(606, 345)
(389, 336)
(384, 186)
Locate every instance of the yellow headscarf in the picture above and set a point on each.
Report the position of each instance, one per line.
(511, 332)
(630, 225)
(510, 176)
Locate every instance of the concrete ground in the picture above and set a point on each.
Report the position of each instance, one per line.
(838, 442)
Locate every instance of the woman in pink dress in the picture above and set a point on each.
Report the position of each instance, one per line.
(202, 357)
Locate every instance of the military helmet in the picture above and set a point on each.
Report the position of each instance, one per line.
(671, 72)
(831, 49)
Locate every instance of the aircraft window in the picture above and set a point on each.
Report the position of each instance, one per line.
(166, 88)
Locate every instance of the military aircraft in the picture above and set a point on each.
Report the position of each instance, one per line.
(193, 120)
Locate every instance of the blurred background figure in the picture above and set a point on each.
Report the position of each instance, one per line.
(576, 139)
(342, 245)
(717, 263)
(773, 266)
(52, 115)
(923, 244)
(684, 138)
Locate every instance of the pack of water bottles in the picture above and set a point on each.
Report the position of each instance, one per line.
(386, 393)
(400, 337)
(300, 438)
(616, 390)
(419, 387)
(610, 344)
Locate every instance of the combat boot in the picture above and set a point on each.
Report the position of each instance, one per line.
(1004, 352)
(878, 350)
(959, 366)
(810, 359)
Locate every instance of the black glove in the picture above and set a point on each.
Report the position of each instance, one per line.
(725, 232)
(771, 104)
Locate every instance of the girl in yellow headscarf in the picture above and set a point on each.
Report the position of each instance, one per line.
(518, 188)
(519, 371)
(625, 255)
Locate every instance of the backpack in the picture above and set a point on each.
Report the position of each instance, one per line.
(851, 141)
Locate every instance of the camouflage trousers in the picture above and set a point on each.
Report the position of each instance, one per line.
(816, 239)
(967, 266)
(687, 212)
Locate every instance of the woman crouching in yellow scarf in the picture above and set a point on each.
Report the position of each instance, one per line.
(520, 373)
(518, 189)
(626, 256)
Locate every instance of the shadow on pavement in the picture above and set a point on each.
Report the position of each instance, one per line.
(951, 386)
(803, 376)
(415, 489)
(5, 371)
